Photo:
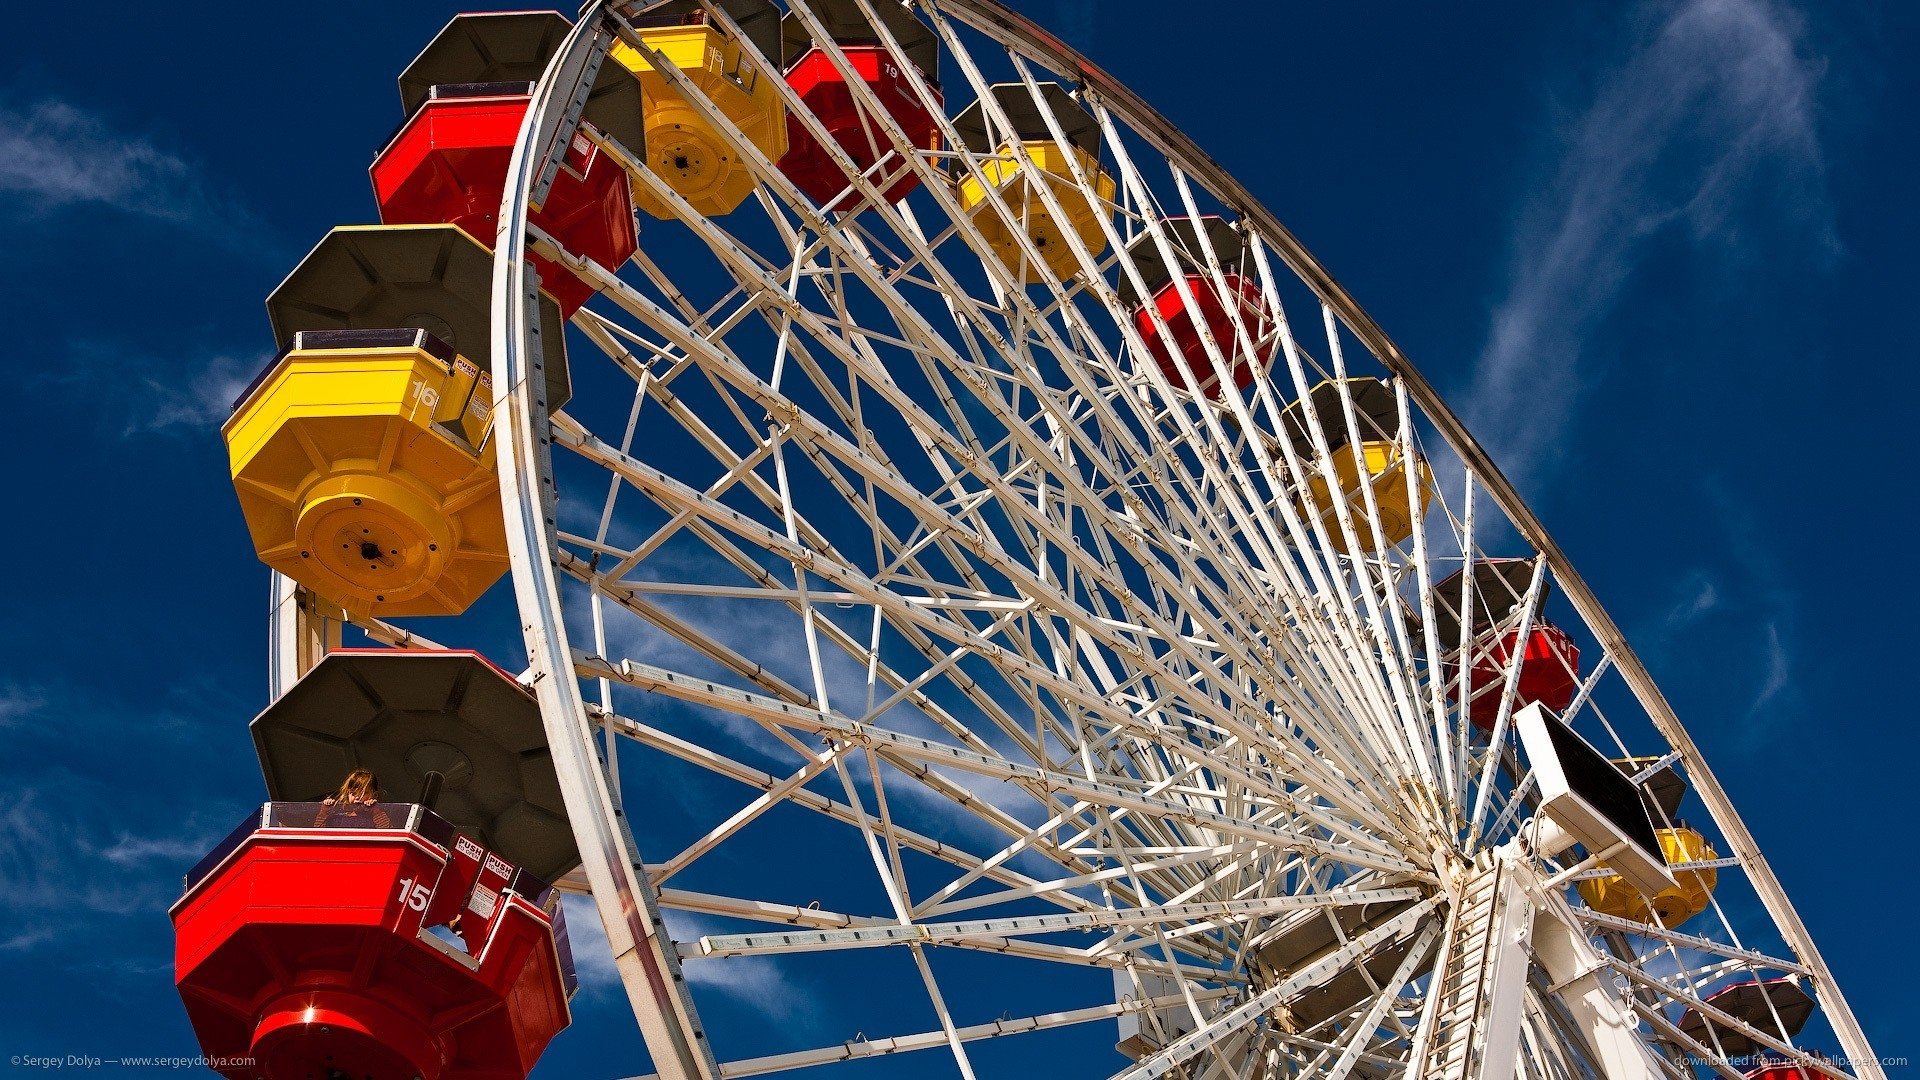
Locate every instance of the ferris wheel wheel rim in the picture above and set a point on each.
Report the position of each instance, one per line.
(538, 590)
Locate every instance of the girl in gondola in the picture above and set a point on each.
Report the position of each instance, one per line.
(355, 805)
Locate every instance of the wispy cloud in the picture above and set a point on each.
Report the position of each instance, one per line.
(756, 982)
(592, 956)
(1779, 668)
(55, 155)
(1745, 606)
(61, 865)
(201, 399)
(1707, 124)
(17, 703)
(1769, 610)
(137, 394)
(1693, 597)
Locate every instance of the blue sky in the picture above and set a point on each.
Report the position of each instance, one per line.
(1658, 253)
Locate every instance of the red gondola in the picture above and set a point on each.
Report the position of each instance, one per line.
(1549, 666)
(1782, 1069)
(1214, 307)
(820, 84)
(449, 164)
(383, 943)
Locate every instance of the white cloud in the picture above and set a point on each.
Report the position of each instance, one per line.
(1745, 605)
(140, 394)
(55, 154)
(1779, 669)
(129, 850)
(1697, 595)
(592, 956)
(17, 703)
(1767, 603)
(1710, 115)
(202, 399)
(57, 871)
(25, 939)
(756, 981)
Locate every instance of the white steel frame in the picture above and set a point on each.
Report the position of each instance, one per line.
(1092, 587)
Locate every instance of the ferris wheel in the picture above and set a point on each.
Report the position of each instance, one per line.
(910, 452)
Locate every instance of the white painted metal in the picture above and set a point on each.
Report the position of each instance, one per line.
(1481, 982)
(647, 964)
(301, 628)
(1561, 805)
(1577, 976)
(1043, 592)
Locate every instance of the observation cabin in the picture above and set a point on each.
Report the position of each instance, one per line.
(1214, 306)
(1489, 632)
(1049, 163)
(812, 74)
(1375, 461)
(394, 939)
(407, 714)
(362, 455)
(1690, 895)
(466, 97)
(382, 942)
(696, 157)
(1301, 941)
(1779, 1008)
(1691, 891)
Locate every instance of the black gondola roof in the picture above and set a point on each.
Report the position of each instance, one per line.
(1183, 235)
(1375, 412)
(1499, 586)
(849, 26)
(515, 47)
(1029, 123)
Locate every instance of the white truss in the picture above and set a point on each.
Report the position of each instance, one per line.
(922, 549)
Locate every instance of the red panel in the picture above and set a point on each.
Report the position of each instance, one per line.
(347, 1033)
(1549, 674)
(1219, 322)
(449, 164)
(456, 884)
(819, 84)
(305, 952)
(307, 882)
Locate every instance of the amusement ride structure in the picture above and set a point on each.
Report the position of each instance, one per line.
(910, 452)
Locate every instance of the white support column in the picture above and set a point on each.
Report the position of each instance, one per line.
(1506, 977)
(627, 901)
(301, 628)
(1578, 975)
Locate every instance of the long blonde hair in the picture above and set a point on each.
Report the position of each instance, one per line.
(359, 785)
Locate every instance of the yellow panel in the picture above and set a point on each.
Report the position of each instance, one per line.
(357, 475)
(1014, 181)
(1388, 478)
(694, 157)
(1688, 897)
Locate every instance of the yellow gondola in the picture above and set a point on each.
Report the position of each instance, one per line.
(1689, 896)
(695, 157)
(362, 456)
(1019, 184)
(1379, 463)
